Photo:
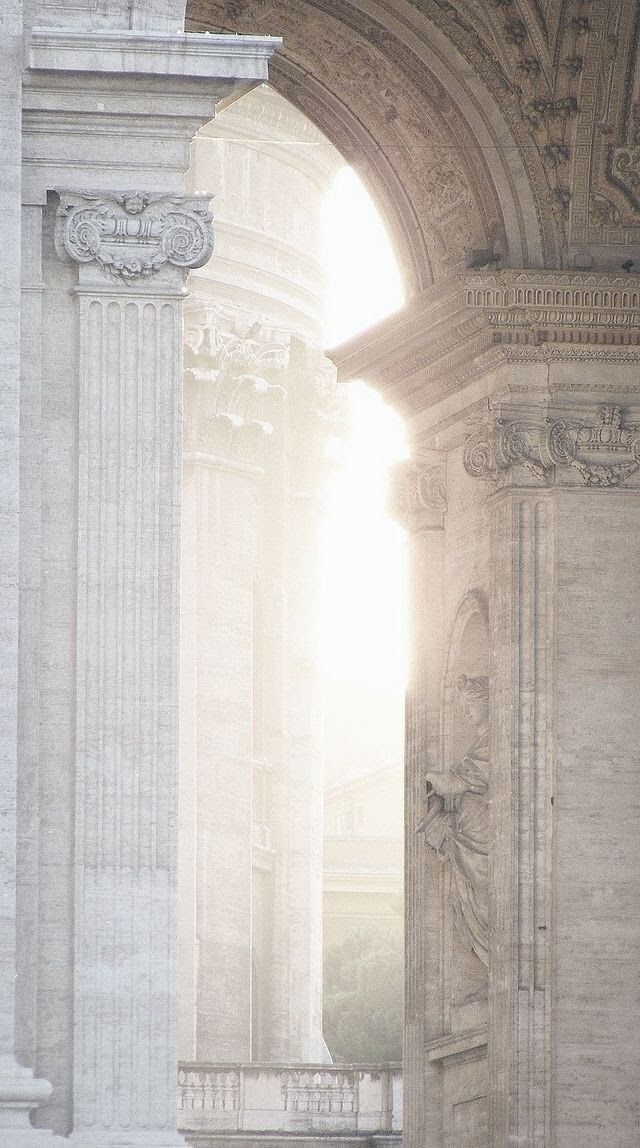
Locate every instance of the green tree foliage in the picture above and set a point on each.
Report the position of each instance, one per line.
(363, 998)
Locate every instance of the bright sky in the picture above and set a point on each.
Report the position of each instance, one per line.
(363, 551)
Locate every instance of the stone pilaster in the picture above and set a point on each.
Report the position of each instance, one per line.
(417, 500)
(528, 381)
(132, 251)
(20, 1091)
(566, 476)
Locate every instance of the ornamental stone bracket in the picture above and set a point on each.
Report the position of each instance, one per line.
(133, 237)
(595, 449)
(417, 498)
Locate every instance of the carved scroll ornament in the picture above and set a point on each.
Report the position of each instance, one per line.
(600, 451)
(132, 236)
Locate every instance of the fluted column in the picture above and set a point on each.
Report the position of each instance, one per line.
(417, 501)
(131, 251)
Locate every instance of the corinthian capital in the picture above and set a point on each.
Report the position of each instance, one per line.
(234, 383)
(598, 447)
(131, 237)
(417, 495)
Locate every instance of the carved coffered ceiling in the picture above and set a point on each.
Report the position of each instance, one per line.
(506, 125)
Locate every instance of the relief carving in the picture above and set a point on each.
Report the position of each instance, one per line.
(602, 450)
(625, 171)
(230, 368)
(417, 496)
(456, 822)
(132, 236)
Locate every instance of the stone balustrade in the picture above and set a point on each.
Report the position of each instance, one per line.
(323, 1099)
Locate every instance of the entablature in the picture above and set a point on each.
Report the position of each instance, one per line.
(114, 108)
(470, 326)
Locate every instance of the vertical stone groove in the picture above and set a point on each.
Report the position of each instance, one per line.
(523, 647)
(127, 714)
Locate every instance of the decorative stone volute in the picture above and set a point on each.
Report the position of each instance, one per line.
(595, 448)
(133, 236)
(417, 498)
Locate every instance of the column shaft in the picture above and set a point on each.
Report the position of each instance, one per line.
(423, 1004)
(128, 550)
(418, 502)
(19, 1092)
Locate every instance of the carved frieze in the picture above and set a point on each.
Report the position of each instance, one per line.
(131, 237)
(417, 498)
(596, 449)
(555, 307)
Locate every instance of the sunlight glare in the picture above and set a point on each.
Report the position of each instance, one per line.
(364, 552)
(364, 640)
(364, 283)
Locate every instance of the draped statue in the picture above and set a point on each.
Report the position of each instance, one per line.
(456, 822)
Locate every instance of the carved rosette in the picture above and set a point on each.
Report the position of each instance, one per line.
(417, 498)
(132, 237)
(598, 450)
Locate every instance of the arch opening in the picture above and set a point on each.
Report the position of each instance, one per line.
(265, 427)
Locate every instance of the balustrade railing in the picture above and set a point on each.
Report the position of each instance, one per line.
(290, 1098)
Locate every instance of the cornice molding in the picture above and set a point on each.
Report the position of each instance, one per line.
(183, 55)
(475, 323)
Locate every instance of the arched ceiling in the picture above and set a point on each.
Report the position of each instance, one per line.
(505, 122)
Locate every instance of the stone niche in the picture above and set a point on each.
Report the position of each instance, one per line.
(461, 814)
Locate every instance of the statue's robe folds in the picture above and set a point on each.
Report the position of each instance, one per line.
(456, 825)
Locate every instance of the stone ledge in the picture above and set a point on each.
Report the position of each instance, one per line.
(199, 56)
(471, 1045)
(277, 1139)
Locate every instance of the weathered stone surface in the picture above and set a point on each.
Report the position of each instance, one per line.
(108, 239)
(498, 134)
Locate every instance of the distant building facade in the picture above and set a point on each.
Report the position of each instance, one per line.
(363, 854)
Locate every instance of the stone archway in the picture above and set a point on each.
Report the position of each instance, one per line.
(476, 128)
(449, 164)
(520, 387)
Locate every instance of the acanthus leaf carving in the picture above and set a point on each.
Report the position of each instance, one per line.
(231, 369)
(625, 172)
(131, 236)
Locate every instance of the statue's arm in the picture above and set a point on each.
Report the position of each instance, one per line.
(447, 784)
